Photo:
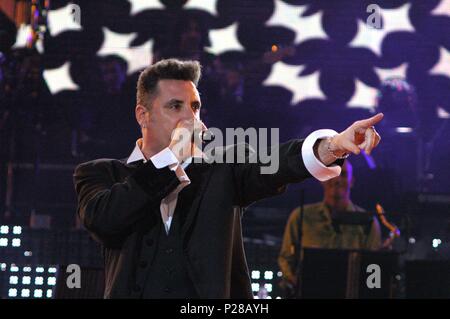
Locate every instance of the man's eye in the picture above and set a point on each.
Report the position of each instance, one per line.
(175, 106)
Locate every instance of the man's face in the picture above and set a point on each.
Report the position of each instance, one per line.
(338, 188)
(175, 100)
(113, 75)
(191, 37)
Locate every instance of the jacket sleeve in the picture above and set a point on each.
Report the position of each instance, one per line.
(108, 208)
(268, 172)
(252, 183)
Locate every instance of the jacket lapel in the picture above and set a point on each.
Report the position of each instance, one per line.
(201, 172)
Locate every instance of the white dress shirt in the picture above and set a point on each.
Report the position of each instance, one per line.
(166, 158)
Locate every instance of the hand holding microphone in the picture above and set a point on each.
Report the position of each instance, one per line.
(187, 138)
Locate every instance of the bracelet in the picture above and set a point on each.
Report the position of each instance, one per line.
(332, 152)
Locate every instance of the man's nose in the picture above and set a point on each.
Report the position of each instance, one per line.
(189, 114)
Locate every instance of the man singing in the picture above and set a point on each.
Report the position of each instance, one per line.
(170, 227)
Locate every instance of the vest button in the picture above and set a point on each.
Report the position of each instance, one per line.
(169, 250)
(149, 242)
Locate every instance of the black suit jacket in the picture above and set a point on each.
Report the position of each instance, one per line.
(118, 204)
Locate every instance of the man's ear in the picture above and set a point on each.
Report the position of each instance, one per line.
(140, 111)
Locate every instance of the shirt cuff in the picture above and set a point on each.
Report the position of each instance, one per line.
(167, 158)
(314, 166)
(164, 158)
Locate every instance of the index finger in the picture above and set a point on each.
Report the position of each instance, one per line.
(370, 121)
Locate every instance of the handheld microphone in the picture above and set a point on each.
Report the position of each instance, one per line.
(206, 136)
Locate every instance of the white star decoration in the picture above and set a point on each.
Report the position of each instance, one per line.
(302, 87)
(208, 5)
(364, 96)
(442, 9)
(223, 40)
(442, 67)
(23, 34)
(394, 20)
(142, 5)
(63, 19)
(398, 72)
(137, 58)
(289, 16)
(59, 79)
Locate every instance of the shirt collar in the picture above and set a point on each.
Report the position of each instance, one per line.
(137, 154)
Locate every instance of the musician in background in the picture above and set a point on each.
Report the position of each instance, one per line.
(320, 230)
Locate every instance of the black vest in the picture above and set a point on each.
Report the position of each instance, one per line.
(168, 275)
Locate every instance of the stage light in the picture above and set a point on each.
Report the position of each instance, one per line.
(412, 240)
(30, 283)
(4, 229)
(25, 293)
(16, 242)
(403, 130)
(255, 274)
(26, 280)
(39, 281)
(436, 242)
(17, 230)
(255, 287)
(442, 114)
(13, 280)
(12, 292)
(3, 242)
(268, 275)
(38, 293)
(3, 267)
(279, 274)
(28, 253)
(268, 287)
(51, 281)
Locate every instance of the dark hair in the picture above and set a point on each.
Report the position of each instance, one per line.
(169, 69)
